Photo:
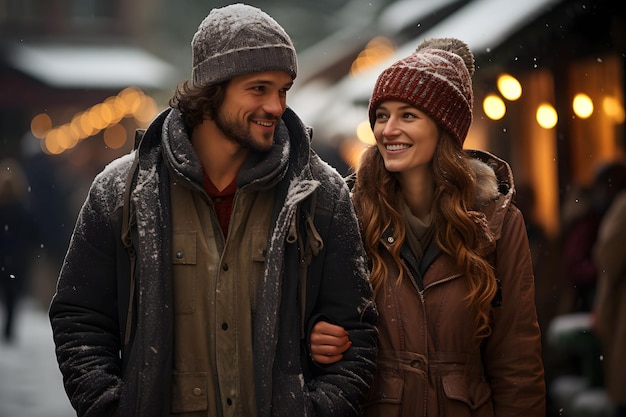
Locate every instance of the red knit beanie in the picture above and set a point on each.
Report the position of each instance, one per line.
(437, 79)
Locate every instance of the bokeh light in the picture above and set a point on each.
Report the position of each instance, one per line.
(509, 87)
(101, 117)
(582, 106)
(40, 125)
(364, 133)
(115, 136)
(376, 51)
(494, 107)
(614, 109)
(547, 116)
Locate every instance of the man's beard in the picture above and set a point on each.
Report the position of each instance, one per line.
(240, 133)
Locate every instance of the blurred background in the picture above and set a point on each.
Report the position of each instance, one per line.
(77, 77)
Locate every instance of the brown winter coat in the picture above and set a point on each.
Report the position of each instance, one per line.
(429, 363)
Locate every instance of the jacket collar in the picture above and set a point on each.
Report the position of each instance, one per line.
(291, 150)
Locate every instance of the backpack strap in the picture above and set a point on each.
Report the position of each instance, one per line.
(309, 248)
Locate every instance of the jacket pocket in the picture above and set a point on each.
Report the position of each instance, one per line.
(464, 396)
(189, 392)
(184, 271)
(385, 394)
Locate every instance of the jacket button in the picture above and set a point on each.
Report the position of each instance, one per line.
(179, 255)
(416, 363)
(224, 326)
(197, 392)
(390, 239)
(229, 401)
(225, 267)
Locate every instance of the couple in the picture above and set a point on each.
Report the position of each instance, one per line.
(218, 269)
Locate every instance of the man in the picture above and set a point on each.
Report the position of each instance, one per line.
(194, 293)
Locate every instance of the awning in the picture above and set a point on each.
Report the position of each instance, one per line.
(404, 13)
(482, 24)
(96, 66)
(318, 101)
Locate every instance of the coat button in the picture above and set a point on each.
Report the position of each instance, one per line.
(416, 363)
(225, 267)
(224, 326)
(390, 239)
(197, 392)
(179, 255)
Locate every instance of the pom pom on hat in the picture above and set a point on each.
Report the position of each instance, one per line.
(437, 79)
(239, 39)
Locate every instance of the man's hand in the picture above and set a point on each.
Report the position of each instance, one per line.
(328, 343)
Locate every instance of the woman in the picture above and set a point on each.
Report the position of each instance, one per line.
(450, 261)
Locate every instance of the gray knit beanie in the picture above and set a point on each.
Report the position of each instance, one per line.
(237, 40)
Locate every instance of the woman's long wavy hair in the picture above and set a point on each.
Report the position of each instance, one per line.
(377, 197)
(196, 103)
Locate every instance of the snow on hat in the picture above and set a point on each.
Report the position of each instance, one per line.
(437, 79)
(237, 40)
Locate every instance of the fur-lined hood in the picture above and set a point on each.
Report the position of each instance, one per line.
(494, 195)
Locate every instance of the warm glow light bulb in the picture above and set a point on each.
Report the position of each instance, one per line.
(546, 116)
(102, 116)
(494, 107)
(115, 136)
(614, 109)
(40, 125)
(582, 105)
(377, 50)
(509, 87)
(364, 133)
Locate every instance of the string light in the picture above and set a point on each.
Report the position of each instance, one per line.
(546, 116)
(377, 50)
(130, 102)
(509, 87)
(582, 106)
(364, 133)
(494, 107)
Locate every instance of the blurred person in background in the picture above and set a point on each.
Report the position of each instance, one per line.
(200, 262)
(609, 311)
(582, 214)
(53, 196)
(580, 221)
(451, 265)
(17, 236)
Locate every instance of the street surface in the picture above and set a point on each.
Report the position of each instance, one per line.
(30, 381)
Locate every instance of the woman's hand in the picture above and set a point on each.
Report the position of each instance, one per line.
(328, 342)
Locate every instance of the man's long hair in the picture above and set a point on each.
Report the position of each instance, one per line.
(197, 103)
(377, 197)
